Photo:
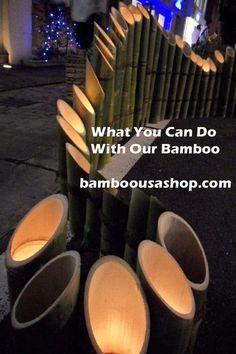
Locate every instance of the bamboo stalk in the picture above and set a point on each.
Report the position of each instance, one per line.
(105, 51)
(203, 90)
(226, 82)
(77, 168)
(142, 65)
(195, 91)
(184, 71)
(105, 38)
(210, 88)
(219, 61)
(169, 297)
(189, 85)
(119, 20)
(137, 224)
(156, 208)
(232, 95)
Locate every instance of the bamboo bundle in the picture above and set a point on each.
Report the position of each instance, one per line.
(137, 38)
(40, 236)
(226, 82)
(169, 297)
(105, 51)
(105, 38)
(116, 312)
(175, 77)
(200, 108)
(85, 110)
(195, 91)
(114, 220)
(156, 208)
(210, 88)
(150, 58)
(67, 134)
(177, 236)
(77, 167)
(142, 65)
(170, 62)
(96, 96)
(232, 95)
(189, 85)
(184, 71)
(219, 61)
(137, 224)
(157, 44)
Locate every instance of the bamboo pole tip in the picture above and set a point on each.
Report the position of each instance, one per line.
(179, 41)
(93, 88)
(67, 112)
(104, 34)
(127, 15)
(117, 26)
(179, 238)
(206, 66)
(213, 67)
(78, 158)
(199, 61)
(136, 13)
(219, 57)
(187, 50)
(80, 98)
(171, 38)
(117, 15)
(166, 279)
(143, 11)
(104, 48)
(194, 57)
(230, 52)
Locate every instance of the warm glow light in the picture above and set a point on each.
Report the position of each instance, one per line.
(67, 112)
(7, 66)
(27, 250)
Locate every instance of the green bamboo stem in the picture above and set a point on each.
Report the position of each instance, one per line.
(137, 224)
(219, 61)
(189, 86)
(68, 134)
(195, 91)
(232, 95)
(156, 208)
(105, 38)
(203, 90)
(184, 71)
(170, 63)
(142, 65)
(175, 77)
(158, 94)
(105, 50)
(226, 82)
(210, 88)
(77, 167)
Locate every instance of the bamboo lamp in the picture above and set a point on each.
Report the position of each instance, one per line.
(105, 50)
(119, 20)
(105, 38)
(39, 236)
(169, 297)
(116, 312)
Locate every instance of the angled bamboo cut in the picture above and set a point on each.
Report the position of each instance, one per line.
(105, 51)
(105, 38)
(219, 62)
(210, 88)
(156, 208)
(200, 108)
(195, 91)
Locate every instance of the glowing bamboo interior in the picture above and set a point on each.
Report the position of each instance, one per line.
(143, 11)
(212, 65)
(93, 88)
(179, 41)
(127, 15)
(105, 38)
(67, 112)
(119, 19)
(136, 13)
(116, 313)
(119, 29)
(79, 158)
(219, 57)
(106, 52)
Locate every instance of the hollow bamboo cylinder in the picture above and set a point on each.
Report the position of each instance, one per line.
(195, 91)
(105, 51)
(67, 134)
(105, 38)
(142, 66)
(46, 303)
(210, 88)
(116, 312)
(177, 236)
(219, 61)
(200, 108)
(189, 85)
(231, 112)
(40, 236)
(169, 297)
(156, 208)
(184, 71)
(77, 168)
(114, 219)
(137, 224)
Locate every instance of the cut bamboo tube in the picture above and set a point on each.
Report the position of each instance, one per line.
(189, 85)
(67, 134)
(226, 82)
(137, 224)
(203, 90)
(156, 208)
(177, 236)
(83, 107)
(96, 96)
(77, 168)
(195, 91)
(169, 297)
(105, 38)
(105, 51)
(137, 39)
(175, 77)
(142, 66)
(119, 20)
(114, 220)
(210, 88)
(67, 112)
(219, 61)
(39, 236)
(116, 312)
(184, 71)
(231, 112)
(46, 304)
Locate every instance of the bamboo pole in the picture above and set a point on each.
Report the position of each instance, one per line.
(210, 88)
(203, 90)
(137, 224)
(177, 236)
(39, 236)
(77, 168)
(189, 86)
(156, 208)
(105, 38)
(116, 312)
(119, 20)
(175, 77)
(142, 65)
(219, 61)
(195, 90)
(68, 134)
(105, 51)
(231, 112)
(226, 82)
(169, 297)
(184, 71)
(114, 220)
